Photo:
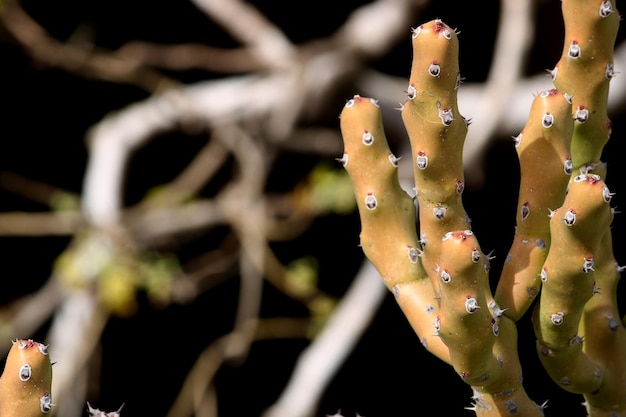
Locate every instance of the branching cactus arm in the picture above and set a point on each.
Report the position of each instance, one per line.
(543, 149)
(584, 72)
(443, 292)
(436, 132)
(580, 342)
(388, 234)
(569, 282)
(586, 354)
(562, 249)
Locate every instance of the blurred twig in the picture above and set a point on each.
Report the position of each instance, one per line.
(196, 386)
(74, 58)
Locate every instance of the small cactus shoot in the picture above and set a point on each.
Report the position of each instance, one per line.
(25, 384)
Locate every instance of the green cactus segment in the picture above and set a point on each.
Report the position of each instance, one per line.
(604, 336)
(562, 247)
(582, 347)
(388, 230)
(388, 235)
(26, 381)
(569, 281)
(510, 403)
(543, 149)
(584, 72)
(570, 367)
(481, 341)
(506, 397)
(436, 132)
(419, 304)
(466, 324)
(568, 274)
(435, 64)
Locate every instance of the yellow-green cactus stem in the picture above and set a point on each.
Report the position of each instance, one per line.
(387, 212)
(436, 132)
(388, 231)
(466, 324)
(569, 281)
(604, 336)
(543, 149)
(482, 343)
(584, 72)
(25, 384)
(562, 244)
(418, 302)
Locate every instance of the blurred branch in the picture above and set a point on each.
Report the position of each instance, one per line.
(186, 57)
(40, 224)
(64, 219)
(245, 23)
(27, 314)
(206, 271)
(74, 58)
(513, 41)
(192, 179)
(79, 318)
(37, 191)
(199, 379)
(320, 361)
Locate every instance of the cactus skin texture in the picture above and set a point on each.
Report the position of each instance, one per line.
(584, 72)
(388, 235)
(441, 280)
(543, 149)
(436, 132)
(25, 385)
(561, 256)
(569, 276)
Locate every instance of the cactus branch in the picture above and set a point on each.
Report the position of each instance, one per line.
(26, 382)
(561, 255)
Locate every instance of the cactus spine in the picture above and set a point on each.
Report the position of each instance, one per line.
(25, 385)
(561, 253)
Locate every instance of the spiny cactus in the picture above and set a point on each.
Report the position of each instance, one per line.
(543, 149)
(26, 382)
(562, 249)
(25, 385)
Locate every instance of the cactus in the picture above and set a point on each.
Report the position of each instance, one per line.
(25, 385)
(561, 257)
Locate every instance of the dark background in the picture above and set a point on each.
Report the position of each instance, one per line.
(46, 113)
